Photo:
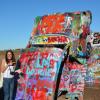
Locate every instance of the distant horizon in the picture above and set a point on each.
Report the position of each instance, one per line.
(17, 17)
(11, 49)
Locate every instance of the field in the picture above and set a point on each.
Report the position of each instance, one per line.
(90, 93)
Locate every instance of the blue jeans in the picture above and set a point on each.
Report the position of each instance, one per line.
(8, 87)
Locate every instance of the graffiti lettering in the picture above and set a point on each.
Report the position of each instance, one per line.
(96, 41)
(39, 72)
(97, 35)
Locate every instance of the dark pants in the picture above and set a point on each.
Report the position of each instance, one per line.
(8, 87)
(15, 89)
(1, 93)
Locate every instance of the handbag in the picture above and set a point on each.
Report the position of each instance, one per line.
(1, 80)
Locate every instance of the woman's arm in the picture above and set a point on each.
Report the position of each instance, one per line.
(3, 67)
(17, 69)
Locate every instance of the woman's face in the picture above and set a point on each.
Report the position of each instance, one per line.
(9, 55)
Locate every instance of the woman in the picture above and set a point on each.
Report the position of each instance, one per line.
(7, 68)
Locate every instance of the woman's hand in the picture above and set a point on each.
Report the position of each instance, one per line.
(18, 71)
(3, 67)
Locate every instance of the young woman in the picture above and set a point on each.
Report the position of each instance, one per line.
(7, 68)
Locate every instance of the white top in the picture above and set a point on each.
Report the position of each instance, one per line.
(6, 73)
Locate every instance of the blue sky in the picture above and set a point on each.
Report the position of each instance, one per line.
(17, 17)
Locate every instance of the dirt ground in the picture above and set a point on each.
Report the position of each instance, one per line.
(90, 93)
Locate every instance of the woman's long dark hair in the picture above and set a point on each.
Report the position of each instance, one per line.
(13, 57)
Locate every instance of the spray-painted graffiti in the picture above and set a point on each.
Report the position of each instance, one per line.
(40, 70)
(69, 23)
(50, 39)
(40, 66)
(93, 63)
(94, 39)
